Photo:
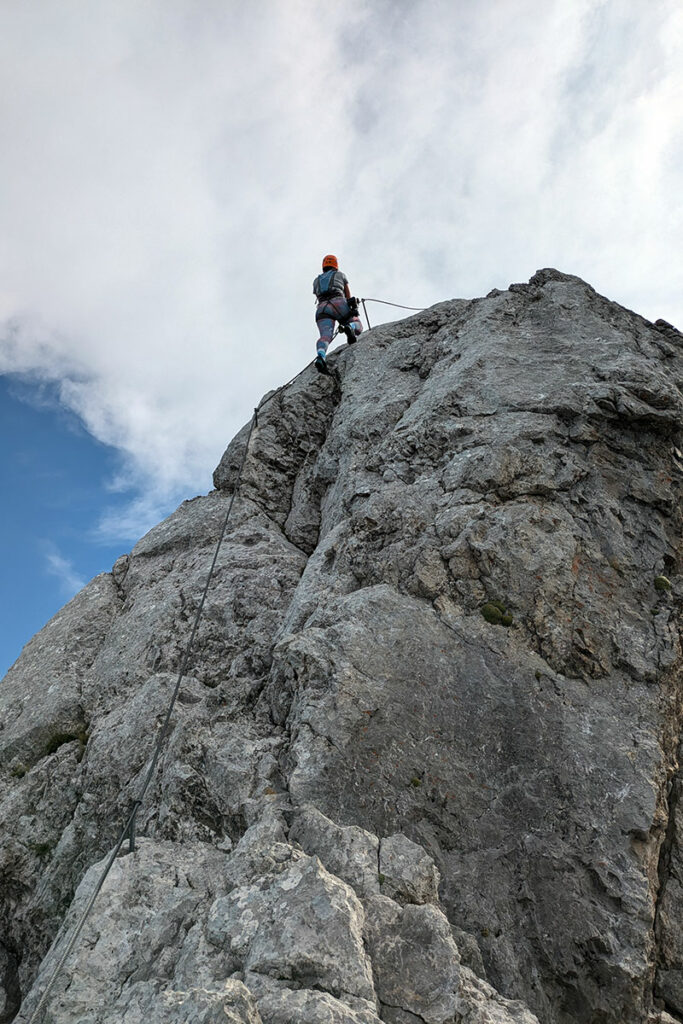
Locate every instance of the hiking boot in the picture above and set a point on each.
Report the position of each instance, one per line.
(321, 364)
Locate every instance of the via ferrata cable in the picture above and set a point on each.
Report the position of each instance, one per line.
(417, 309)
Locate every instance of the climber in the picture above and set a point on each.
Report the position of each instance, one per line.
(335, 304)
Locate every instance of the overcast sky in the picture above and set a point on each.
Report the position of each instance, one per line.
(173, 170)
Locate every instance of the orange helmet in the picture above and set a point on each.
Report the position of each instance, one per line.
(330, 261)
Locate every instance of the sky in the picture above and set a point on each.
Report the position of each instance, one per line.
(173, 171)
(54, 479)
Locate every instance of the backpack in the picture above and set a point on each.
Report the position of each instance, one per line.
(325, 285)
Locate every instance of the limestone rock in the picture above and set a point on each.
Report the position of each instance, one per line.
(230, 1004)
(416, 961)
(133, 939)
(407, 873)
(302, 925)
(355, 722)
(479, 1003)
(669, 983)
(350, 852)
(303, 1006)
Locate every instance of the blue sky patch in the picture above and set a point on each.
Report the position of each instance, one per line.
(55, 486)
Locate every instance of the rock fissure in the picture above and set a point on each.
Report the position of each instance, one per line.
(396, 1006)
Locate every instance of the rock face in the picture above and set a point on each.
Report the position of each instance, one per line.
(424, 764)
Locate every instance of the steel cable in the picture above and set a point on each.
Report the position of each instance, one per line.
(417, 309)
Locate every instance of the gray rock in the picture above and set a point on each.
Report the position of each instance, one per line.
(349, 852)
(231, 1004)
(418, 973)
(262, 850)
(470, 953)
(407, 873)
(669, 983)
(434, 614)
(284, 1006)
(415, 960)
(132, 941)
(393, 1015)
(479, 1003)
(300, 924)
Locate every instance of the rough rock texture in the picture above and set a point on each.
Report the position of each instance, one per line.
(424, 765)
(407, 873)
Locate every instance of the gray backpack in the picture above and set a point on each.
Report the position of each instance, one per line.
(326, 285)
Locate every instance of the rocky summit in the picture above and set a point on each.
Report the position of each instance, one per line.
(424, 763)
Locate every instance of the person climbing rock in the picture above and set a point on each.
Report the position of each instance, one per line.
(335, 304)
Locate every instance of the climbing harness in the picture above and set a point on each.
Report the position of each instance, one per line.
(128, 830)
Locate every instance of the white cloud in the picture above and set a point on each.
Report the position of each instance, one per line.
(172, 173)
(70, 581)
